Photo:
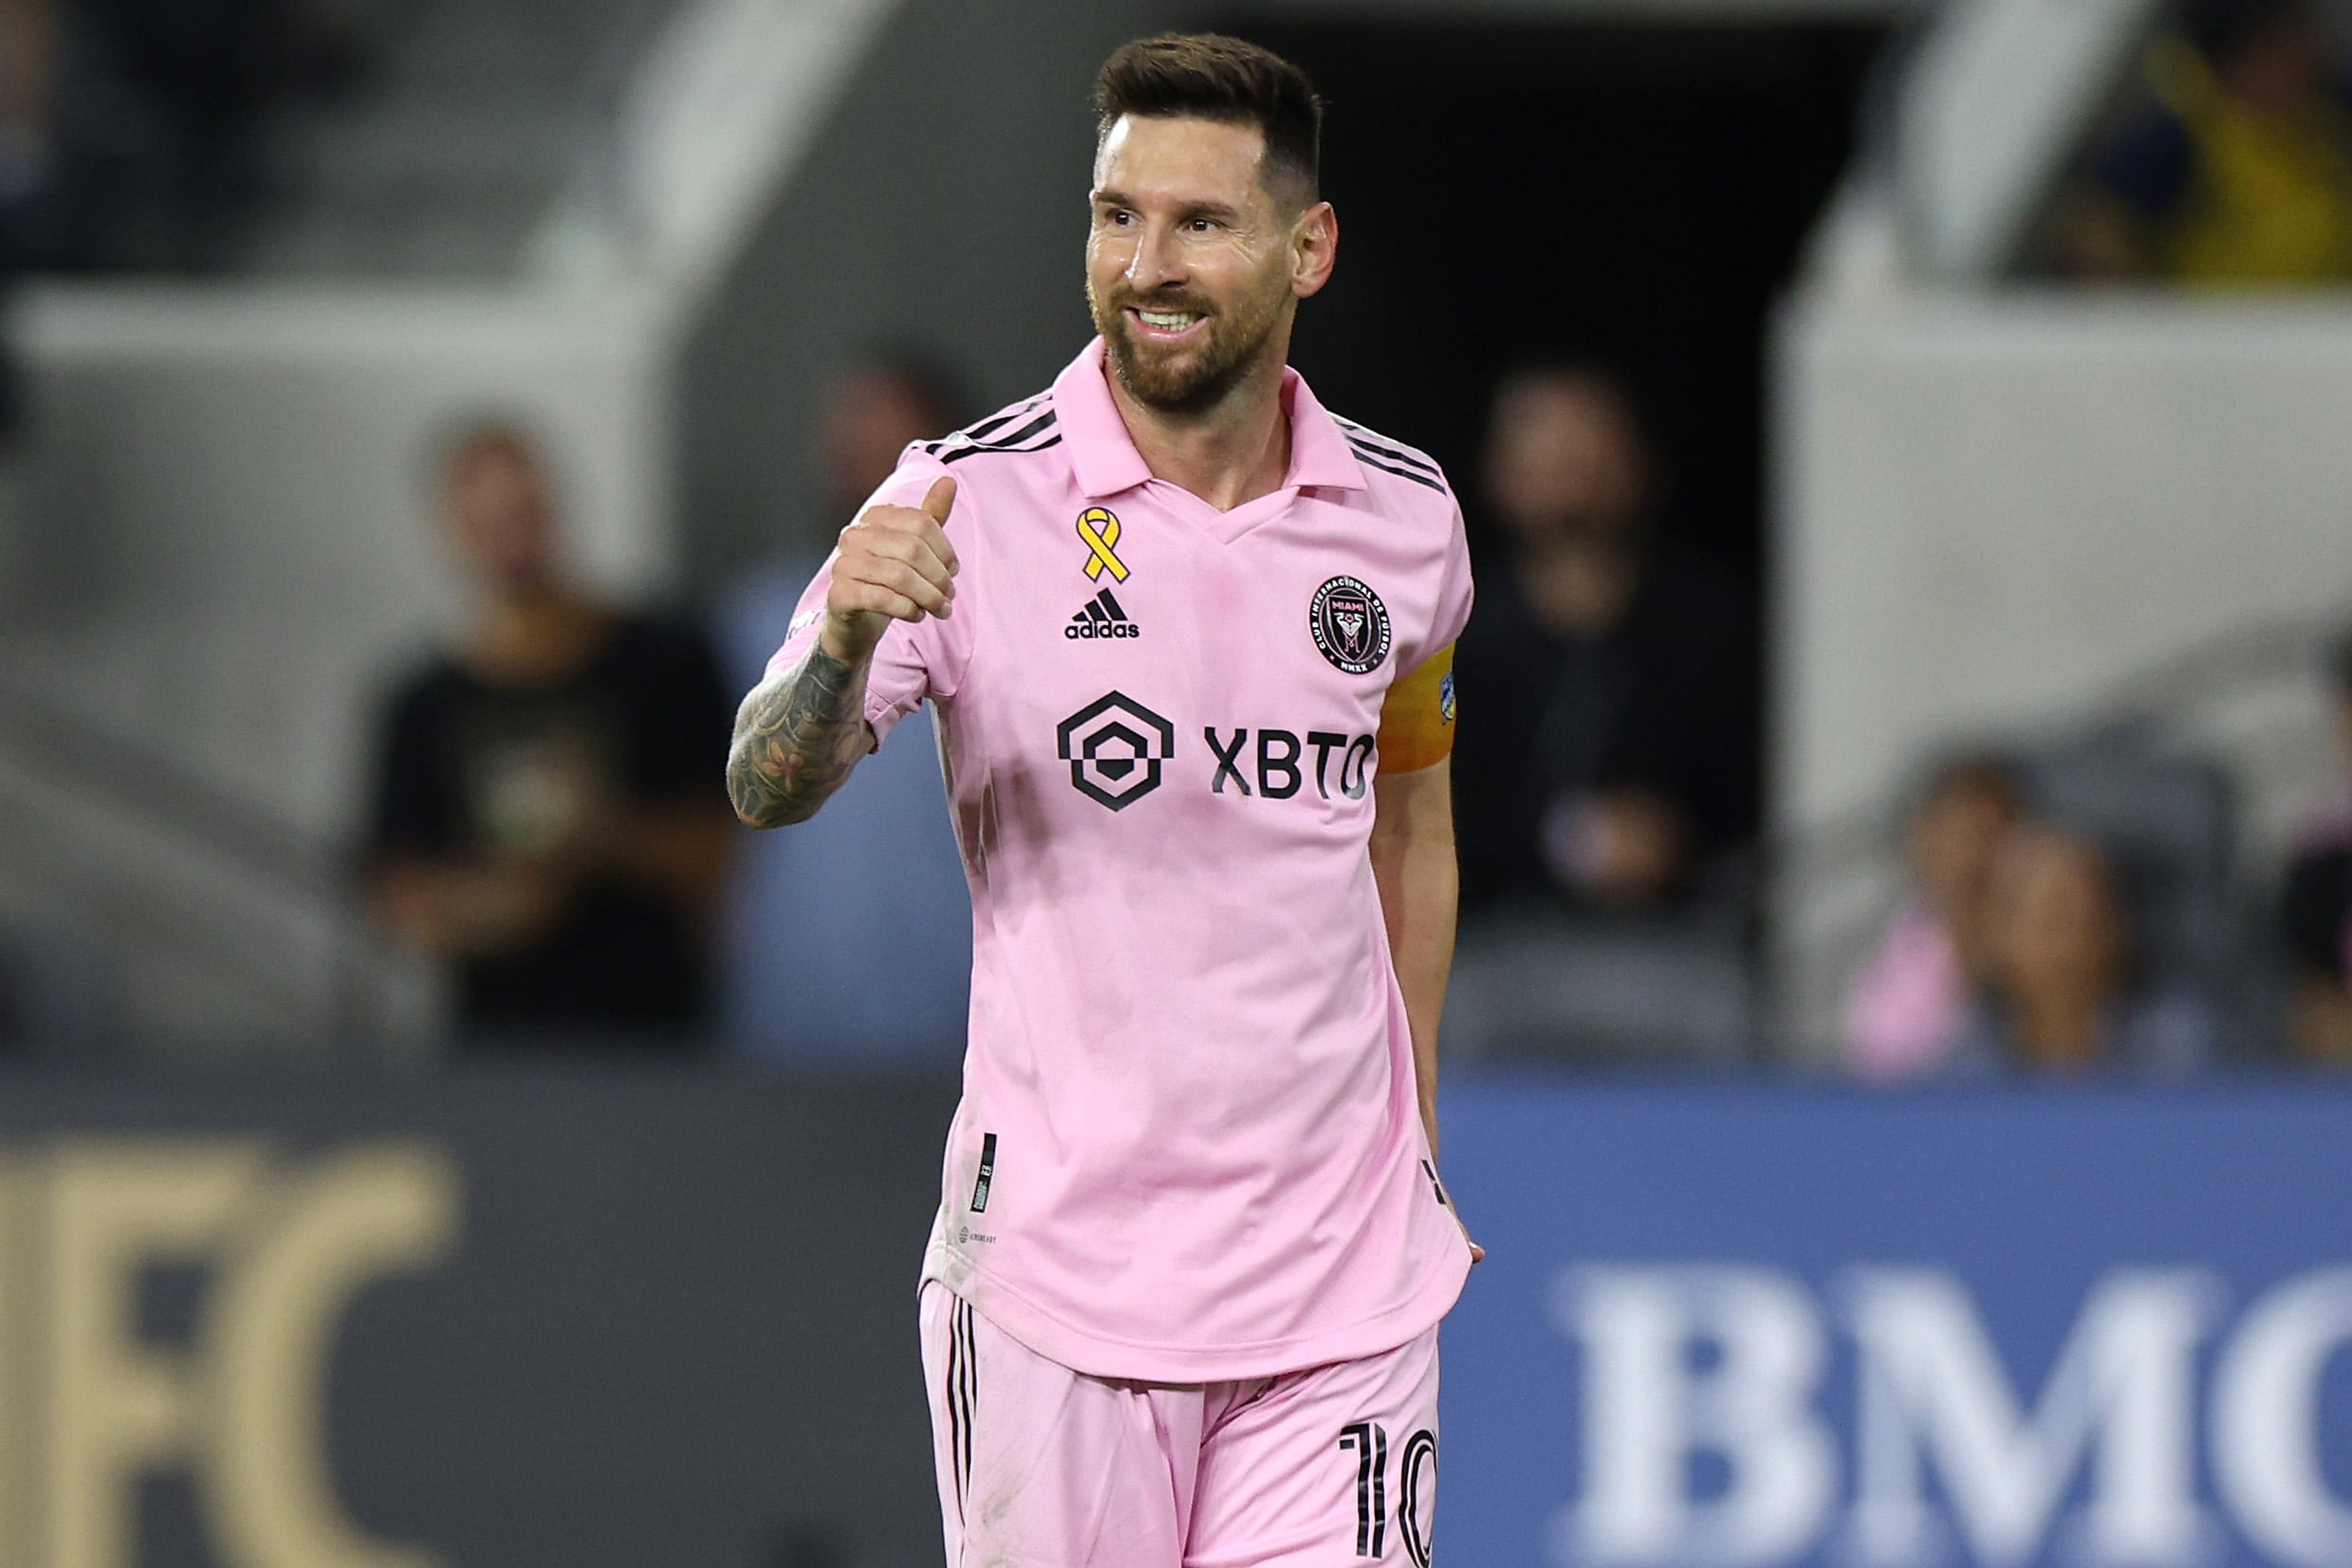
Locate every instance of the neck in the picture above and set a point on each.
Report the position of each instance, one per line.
(2063, 1025)
(532, 633)
(1581, 588)
(1228, 453)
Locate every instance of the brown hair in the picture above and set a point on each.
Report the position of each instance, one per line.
(1207, 76)
(466, 442)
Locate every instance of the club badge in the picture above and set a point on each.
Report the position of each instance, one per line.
(1350, 625)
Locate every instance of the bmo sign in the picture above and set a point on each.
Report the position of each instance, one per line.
(1729, 1363)
(1733, 1331)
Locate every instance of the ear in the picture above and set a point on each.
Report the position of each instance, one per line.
(1314, 248)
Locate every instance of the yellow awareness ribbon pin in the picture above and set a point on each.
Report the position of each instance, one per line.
(1098, 527)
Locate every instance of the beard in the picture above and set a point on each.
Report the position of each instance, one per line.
(1190, 379)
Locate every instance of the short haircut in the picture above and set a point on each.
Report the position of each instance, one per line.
(1593, 378)
(923, 376)
(1977, 771)
(468, 441)
(1209, 76)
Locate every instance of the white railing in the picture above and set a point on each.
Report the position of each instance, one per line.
(1995, 102)
(705, 133)
(203, 925)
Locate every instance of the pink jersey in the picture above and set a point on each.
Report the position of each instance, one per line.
(1188, 1149)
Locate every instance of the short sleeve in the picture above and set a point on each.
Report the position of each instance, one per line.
(913, 661)
(413, 811)
(681, 718)
(1453, 592)
(2315, 912)
(1417, 718)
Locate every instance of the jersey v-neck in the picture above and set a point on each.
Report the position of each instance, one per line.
(1103, 455)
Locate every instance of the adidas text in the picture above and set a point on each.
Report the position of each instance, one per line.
(1101, 617)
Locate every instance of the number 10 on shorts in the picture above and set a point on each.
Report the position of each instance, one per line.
(1416, 1469)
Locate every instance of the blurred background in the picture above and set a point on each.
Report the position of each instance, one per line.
(1905, 763)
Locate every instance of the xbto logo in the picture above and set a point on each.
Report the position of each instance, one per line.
(1116, 748)
(1279, 772)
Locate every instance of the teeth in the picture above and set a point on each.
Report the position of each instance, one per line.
(1172, 321)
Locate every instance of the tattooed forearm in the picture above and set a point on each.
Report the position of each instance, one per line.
(796, 739)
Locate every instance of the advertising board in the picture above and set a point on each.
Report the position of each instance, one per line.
(1747, 1326)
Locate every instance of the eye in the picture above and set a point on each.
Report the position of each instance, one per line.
(1202, 226)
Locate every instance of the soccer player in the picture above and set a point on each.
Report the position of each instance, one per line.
(1189, 638)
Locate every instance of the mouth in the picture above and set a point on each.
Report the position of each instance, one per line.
(1167, 326)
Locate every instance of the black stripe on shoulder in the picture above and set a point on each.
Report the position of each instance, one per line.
(1360, 437)
(988, 426)
(1001, 418)
(962, 453)
(1036, 427)
(1370, 461)
(957, 446)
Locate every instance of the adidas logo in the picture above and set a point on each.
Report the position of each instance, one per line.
(1102, 617)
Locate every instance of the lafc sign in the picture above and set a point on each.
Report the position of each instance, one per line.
(1953, 1460)
(88, 1405)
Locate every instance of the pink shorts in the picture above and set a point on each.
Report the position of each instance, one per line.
(1041, 1466)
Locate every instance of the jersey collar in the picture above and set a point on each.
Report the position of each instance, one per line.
(1103, 453)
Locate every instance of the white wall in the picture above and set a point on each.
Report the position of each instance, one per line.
(233, 546)
(1994, 509)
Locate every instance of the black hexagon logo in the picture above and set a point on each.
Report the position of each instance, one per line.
(1116, 747)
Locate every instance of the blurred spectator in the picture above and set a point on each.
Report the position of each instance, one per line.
(2238, 171)
(160, 155)
(550, 817)
(1912, 997)
(2316, 910)
(131, 131)
(2063, 997)
(12, 1021)
(880, 965)
(27, 58)
(1617, 764)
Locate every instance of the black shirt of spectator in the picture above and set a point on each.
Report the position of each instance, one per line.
(1618, 762)
(521, 773)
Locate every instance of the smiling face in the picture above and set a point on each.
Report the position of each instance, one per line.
(1193, 267)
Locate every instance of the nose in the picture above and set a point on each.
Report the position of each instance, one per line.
(1155, 262)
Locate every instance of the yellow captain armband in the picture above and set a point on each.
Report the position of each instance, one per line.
(1416, 719)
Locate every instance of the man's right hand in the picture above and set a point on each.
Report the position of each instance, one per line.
(893, 563)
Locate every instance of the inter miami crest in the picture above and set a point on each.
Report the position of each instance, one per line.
(1350, 624)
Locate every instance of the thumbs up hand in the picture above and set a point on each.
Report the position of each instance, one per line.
(893, 563)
